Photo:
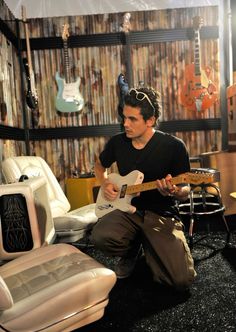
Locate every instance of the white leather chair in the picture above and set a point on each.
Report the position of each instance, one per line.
(69, 226)
(53, 288)
(25, 214)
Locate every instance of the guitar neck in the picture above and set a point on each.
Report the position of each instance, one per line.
(66, 61)
(136, 188)
(197, 53)
(28, 50)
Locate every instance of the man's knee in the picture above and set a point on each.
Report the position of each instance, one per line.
(179, 282)
(97, 236)
(184, 282)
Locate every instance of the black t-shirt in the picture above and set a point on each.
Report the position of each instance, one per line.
(163, 154)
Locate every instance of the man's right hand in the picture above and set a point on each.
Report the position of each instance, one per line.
(110, 190)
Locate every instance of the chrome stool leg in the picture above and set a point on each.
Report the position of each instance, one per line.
(207, 207)
(191, 221)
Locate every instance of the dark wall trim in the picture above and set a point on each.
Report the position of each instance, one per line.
(16, 134)
(167, 35)
(138, 37)
(190, 125)
(73, 132)
(104, 39)
(103, 130)
(110, 130)
(8, 33)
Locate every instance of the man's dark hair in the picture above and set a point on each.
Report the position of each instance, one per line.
(147, 99)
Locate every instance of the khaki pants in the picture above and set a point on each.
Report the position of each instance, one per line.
(164, 244)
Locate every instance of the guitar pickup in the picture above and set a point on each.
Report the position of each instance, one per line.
(123, 191)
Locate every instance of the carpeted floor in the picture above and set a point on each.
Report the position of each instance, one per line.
(137, 304)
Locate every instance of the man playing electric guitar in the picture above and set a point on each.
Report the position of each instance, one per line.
(154, 226)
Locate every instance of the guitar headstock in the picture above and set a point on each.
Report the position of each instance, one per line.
(126, 23)
(23, 13)
(65, 33)
(197, 22)
(201, 178)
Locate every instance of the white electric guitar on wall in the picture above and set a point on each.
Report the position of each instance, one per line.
(69, 98)
(131, 184)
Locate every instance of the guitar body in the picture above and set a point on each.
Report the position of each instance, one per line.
(122, 201)
(198, 93)
(123, 90)
(68, 98)
(31, 98)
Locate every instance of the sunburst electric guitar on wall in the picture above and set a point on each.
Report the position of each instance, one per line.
(69, 98)
(198, 92)
(31, 94)
(131, 184)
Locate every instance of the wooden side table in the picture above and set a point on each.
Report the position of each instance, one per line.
(79, 191)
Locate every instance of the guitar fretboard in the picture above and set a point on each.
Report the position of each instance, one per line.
(197, 53)
(66, 61)
(136, 188)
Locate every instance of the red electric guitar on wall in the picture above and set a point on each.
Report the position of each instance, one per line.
(198, 92)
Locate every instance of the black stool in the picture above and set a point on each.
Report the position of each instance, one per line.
(204, 199)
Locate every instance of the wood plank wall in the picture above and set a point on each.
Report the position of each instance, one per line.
(160, 65)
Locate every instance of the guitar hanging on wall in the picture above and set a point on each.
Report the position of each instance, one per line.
(198, 92)
(122, 82)
(31, 94)
(69, 98)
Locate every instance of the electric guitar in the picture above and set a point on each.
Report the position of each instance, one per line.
(31, 94)
(131, 184)
(69, 98)
(126, 27)
(198, 92)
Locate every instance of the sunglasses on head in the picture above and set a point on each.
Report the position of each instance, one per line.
(139, 95)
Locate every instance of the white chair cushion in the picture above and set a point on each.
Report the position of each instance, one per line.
(78, 221)
(32, 166)
(70, 226)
